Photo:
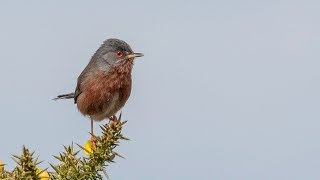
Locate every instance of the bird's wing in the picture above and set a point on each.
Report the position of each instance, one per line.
(91, 67)
(78, 90)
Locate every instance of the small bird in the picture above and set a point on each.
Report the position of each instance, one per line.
(104, 86)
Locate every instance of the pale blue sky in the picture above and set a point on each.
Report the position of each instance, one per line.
(226, 90)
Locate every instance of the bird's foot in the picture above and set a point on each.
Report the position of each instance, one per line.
(113, 120)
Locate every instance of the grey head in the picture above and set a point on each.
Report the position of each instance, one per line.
(113, 51)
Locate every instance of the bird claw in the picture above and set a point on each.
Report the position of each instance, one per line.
(113, 118)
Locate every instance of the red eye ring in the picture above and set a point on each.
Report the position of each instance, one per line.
(119, 54)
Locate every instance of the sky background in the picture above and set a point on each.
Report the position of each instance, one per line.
(226, 90)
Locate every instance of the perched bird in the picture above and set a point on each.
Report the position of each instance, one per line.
(104, 86)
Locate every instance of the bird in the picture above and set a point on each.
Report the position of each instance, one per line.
(104, 86)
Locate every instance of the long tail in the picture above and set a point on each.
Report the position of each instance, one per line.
(64, 96)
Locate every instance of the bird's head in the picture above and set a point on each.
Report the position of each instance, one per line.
(115, 51)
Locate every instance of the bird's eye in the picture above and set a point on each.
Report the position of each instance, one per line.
(119, 54)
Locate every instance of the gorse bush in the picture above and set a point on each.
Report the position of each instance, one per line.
(71, 166)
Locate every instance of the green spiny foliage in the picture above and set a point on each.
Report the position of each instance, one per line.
(26, 167)
(71, 166)
(4, 174)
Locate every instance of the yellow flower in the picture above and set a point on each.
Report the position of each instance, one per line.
(1, 166)
(88, 148)
(44, 175)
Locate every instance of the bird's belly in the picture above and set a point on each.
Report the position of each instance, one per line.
(109, 109)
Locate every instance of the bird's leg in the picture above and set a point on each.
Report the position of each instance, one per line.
(93, 139)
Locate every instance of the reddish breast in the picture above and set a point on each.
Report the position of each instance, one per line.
(99, 90)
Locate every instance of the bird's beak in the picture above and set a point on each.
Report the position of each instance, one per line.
(134, 55)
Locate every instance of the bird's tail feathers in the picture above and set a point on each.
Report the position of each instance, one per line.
(64, 96)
